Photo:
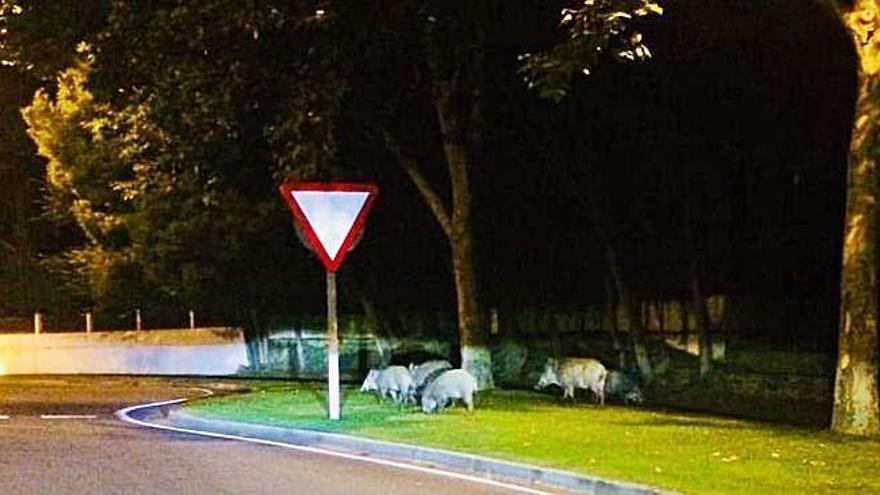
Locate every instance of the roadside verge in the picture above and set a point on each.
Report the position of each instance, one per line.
(169, 416)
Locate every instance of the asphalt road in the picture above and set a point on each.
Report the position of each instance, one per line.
(102, 455)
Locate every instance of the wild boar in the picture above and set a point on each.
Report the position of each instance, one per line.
(622, 387)
(393, 381)
(421, 373)
(571, 373)
(450, 385)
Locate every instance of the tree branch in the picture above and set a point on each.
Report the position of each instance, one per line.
(455, 150)
(409, 165)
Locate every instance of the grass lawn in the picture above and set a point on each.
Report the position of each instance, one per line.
(684, 452)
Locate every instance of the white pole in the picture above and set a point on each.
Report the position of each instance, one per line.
(137, 319)
(192, 320)
(89, 326)
(332, 349)
(38, 323)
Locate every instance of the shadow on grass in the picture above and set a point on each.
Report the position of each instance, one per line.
(521, 400)
(694, 423)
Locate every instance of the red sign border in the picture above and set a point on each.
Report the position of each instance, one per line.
(287, 189)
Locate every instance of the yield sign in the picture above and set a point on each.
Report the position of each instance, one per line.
(331, 215)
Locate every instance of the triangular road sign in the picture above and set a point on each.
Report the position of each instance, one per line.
(331, 215)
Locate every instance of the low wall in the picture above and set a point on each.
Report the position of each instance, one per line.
(303, 353)
(201, 351)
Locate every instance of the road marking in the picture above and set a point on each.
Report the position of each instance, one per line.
(68, 416)
(3, 417)
(123, 414)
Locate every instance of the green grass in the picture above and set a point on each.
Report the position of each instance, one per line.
(684, 452)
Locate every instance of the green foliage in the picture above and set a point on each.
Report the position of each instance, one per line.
(37, 39)
(231, 86)
(164, 144)
(84, 143)
(79, 139)
(74, 133)
(40, 37)
(595, 29)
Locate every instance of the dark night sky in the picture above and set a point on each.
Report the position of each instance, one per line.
(744, 110)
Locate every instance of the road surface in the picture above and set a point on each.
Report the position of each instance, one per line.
(58, 435)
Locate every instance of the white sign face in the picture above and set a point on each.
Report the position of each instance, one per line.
(331, 214)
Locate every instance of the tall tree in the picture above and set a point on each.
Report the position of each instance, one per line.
(164, 146)
(77, 135)
(412, 78)
(596, 29)
(856, 405)
(37, 39)
(452, 57)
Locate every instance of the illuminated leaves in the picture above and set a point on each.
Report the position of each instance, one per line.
(595, 29)
(39, 38)
(864, 23)
(162, 143)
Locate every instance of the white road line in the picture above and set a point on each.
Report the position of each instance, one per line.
(68, 416)
(3, 417)
(123, 414)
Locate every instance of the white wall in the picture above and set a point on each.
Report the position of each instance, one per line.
(203, 351)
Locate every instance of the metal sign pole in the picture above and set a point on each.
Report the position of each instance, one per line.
(329, 220)
(332, 349)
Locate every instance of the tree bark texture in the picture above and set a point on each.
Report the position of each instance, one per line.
(702, 314)
(637, 331)
(475, 356)
(456, 224)
(855, 390)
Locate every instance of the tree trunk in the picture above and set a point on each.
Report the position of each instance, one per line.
(684, 337)
(260, 342)
(625, 296)
(299, 355)
(702, 315)
(637, 332)
(698, 302)
(456, 224)
(611, 322)
(627, 300)
(475, 355)
(855, 391)
(250, 327)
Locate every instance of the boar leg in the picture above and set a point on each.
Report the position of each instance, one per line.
(599, 393)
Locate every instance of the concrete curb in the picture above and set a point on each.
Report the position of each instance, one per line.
(536, 477)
